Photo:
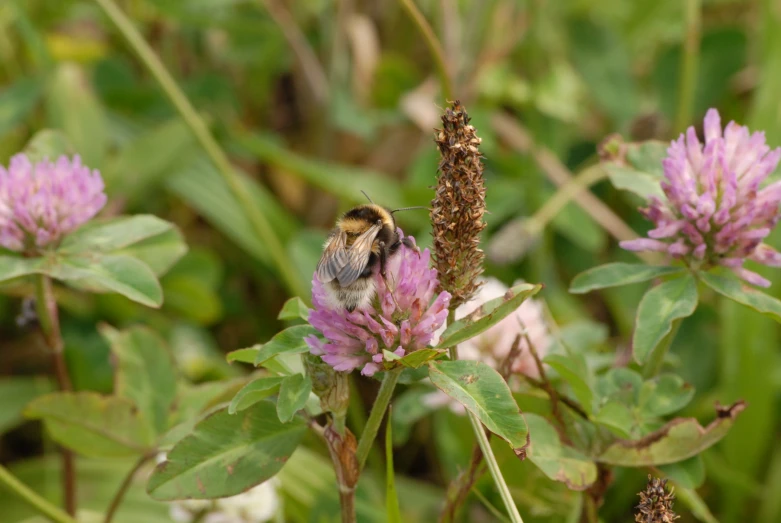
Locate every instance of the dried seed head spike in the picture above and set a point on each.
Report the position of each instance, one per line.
(458, 206)
(656, 503)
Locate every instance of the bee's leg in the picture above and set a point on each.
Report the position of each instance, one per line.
(383, 258)
(410, 244)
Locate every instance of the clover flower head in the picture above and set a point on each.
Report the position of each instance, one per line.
(715, 212)
(42, 202)
(402, 319)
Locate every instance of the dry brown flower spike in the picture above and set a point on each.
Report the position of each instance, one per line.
(656, 504)
(458, 206)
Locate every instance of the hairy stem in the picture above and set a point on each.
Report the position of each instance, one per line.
(377, 413)
(434, 47)
(119, 496)
(689, 65)
(48, 315)
(656, 361)
(257, 219)
(32, 498)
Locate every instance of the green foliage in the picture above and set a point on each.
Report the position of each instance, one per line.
(94, 425)
(247, 448)
(293, 393)
(614, 274)
(660, 307)
(489, 314)
(567, 76)
(483, 391)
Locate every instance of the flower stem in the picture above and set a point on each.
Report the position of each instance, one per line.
(377, 413)
(46, 308)
(257, 219)
(434, 47)
(485, 447)
(691, 52)
(493, 467)
(117, 500)
(656, 361)
(30, 497)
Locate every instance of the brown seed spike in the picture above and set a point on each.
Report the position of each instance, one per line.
(656, 503)
(458, 206)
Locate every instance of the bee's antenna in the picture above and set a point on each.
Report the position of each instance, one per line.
(367, 196)
(409, 208)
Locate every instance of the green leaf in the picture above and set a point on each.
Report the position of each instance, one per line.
(689, 473)
(145, 373)
(392, 509)
(487, 315)
(159, 252)
(15, 267)
(574, 370)
(17, 101)
(640, 183)
(112, 273)
(47, 144)
(414, 360)
(678, 440)
(93, 425)
(289, 341)
(293, 393)
(247, 355)
(613, 274)
(145, 161)
(227, 454)
(484, 392)
(664, 395)
(647, 156)
(660, 306)
(199, 183)
(114, 234)
(340, 180)
(17, 392)
(73, 107)
(557, 461)
(294, 309)
(730, 286)
(617, 417)
(253, 392)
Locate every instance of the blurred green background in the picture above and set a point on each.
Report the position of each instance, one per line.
(315, 100)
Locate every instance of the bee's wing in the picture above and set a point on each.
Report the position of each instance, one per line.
(334, 257)
(358, 256)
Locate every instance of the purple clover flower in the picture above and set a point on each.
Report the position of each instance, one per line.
(402, 318)
(715, 212)
(40, 203)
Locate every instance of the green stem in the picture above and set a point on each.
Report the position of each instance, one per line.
(48, 316)
(434, 47)
(493, 467)
(485, 446)
(566, 193)
(689, 64)
(30, 497)
(451, 317)
(119, 496)
(656, 361)
(257, 219)
(377, 413)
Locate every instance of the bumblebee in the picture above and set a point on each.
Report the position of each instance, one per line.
(364, 237)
